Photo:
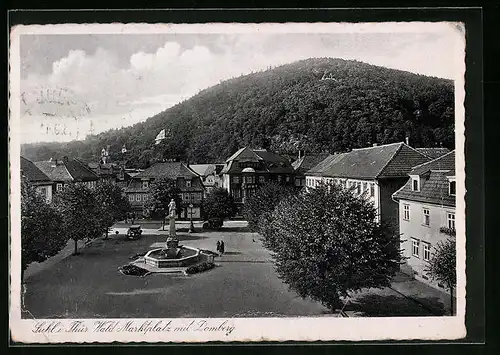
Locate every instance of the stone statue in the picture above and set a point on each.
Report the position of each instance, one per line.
(171, 212)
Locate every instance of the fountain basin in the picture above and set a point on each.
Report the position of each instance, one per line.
(186, 256)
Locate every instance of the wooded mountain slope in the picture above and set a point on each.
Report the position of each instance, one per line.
(320, 104)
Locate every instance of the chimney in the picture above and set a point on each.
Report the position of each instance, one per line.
(407, 140)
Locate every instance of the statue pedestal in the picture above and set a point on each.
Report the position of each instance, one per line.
(172, 226)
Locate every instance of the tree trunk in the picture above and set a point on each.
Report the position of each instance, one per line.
(76, 247)
(107, 231)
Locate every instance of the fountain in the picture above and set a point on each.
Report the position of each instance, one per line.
(173, 255)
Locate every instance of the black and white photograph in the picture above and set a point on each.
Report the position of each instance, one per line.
(237, 182)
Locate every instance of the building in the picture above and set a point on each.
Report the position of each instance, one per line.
(36, 177)
(427, 212)
(247, 169)
(303, 164)
(377, 172)
(433, 153)
(188, 181)
(210, 174)
(67, 170)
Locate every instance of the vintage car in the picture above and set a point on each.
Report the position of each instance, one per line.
(134, 232)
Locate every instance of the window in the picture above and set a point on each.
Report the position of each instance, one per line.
(415, 243)
(453, 188)
(145, 184)
(415, 184)
(365, 186)
(406, 212)
(287, 178)
(358, 188)
(138, 198)
(185, 197)
(372, 189)
(43, 192)
(188, 183)
(317, 182)
(451, 220)
(261, 179)
(236, 179)
(279, 178)
(131, 198)
(59, 187)
(427, 217)
(427, 251)
(145, 197)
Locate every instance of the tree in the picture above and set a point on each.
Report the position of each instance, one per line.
(326, 243)
(41, 228)
(442, 266)
(219, 204)
(80, 209)
(263, 202)
(113, 204)
(162, 191)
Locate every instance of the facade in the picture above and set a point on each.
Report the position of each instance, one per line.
(67, 170)
(188, 181)
(110, 171)
(41, 182)
(303, 164)
(377, 172)
(247, 169)
(427, 213)
(210, 174)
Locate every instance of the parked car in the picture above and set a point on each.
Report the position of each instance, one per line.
(134, 232)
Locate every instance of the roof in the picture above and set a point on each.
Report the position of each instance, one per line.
(434, 183)
(307, 162)
(445, 162)
(32, 173)
(172, 170)
(433, 153)
(271, 162)
(68, 169)
(203, 169)
(385, 161)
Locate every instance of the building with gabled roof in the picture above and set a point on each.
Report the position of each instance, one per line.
(304, 163)
(376, 172)
(67, 170)
(210, 174)
(37, 178)
(187, 180)
(427, 213)
(248, 168)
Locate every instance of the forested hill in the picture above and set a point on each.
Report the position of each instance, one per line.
(318, 105)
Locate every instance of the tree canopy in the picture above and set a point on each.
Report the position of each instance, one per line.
(162, 191)
(326, 243)
(219, 204)
(320, 104)
(112, 203)
(41, 228)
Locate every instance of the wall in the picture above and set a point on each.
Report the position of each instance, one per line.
(415, 228)
(389, 209)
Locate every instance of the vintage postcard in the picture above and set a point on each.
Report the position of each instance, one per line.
(237, 182)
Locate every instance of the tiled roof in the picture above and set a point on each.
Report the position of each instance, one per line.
(307, 162)
(32, 173)
(172, 170)
(56, 171)
(385, 161)
(68, 169)
(203, 169)
(434, 183)
(272, 162)
(445, 162)
(433, 153)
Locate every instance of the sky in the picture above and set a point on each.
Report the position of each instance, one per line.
(75, 84)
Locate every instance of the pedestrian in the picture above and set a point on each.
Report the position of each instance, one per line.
(222, 247)
(218, 246)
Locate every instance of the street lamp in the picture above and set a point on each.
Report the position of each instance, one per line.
(191, 225)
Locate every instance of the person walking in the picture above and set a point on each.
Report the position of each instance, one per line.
(218, 246)
(222, 247)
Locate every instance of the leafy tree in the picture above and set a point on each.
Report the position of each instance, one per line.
(113, 204)
(162, 191)
(263, 202)
(41, 228)
(219, 204)
(79, 206)
(442, 266)
(326, 243)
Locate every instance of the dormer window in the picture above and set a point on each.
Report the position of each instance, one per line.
(453, 188)
(415, 183)
(145, 184)
(188, 183)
